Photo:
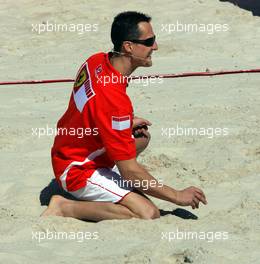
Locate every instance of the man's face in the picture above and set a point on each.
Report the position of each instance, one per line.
(141, 54)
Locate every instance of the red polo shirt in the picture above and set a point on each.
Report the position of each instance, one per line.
(96, 129)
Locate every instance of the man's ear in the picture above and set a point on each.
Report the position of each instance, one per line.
(127, 46)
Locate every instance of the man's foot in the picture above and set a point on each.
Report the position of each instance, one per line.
(55, 206)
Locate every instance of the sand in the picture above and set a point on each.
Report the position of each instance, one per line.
(226, 167)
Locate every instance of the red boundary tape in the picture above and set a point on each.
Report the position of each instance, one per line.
(180, 75)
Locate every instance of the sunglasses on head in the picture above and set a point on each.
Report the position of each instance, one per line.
(146, 42)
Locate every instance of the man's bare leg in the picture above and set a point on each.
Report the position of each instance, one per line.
(86, 210)
(133, 205)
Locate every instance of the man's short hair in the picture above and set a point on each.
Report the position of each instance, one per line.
(125, 27)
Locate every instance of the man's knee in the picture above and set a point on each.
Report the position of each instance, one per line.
(150, 212)
(140, 206)
(142, 142)
(147, 137)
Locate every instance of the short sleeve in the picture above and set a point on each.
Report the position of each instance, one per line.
(113, 116)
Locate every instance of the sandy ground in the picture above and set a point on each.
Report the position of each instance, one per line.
(226, 167)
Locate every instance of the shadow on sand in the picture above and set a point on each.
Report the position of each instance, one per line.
(52, 189)
(179, 212)
(250, 5)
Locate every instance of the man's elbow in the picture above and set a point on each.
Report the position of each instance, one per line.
(128, 168)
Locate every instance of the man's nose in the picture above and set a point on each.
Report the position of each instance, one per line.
(155, 46)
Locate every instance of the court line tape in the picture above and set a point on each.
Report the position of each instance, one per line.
(178, 75)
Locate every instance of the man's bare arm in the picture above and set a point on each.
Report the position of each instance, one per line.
(132, 171)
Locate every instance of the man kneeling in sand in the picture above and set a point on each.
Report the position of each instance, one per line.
(95, 168)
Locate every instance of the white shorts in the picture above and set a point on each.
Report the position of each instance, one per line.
(104, 185)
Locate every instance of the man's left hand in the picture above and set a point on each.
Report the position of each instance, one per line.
(139, 121)
(140, 127)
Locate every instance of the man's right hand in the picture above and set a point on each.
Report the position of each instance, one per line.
(190, 196)
(131, 170)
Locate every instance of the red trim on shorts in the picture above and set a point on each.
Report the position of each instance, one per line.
(106, 189)
(123, 197)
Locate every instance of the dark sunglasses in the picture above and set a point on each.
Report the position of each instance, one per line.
(146, 42)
